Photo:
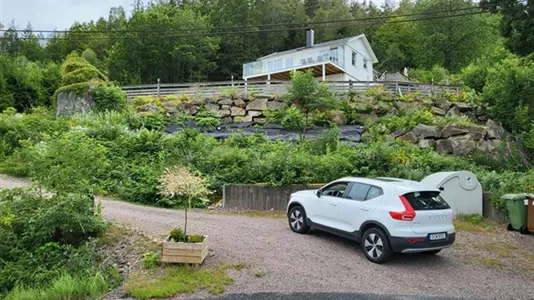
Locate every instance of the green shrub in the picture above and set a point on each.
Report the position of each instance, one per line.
(44, 238)
(109, 97)
(207, 119)
(177, 235)
(150, 260)
(57, 164)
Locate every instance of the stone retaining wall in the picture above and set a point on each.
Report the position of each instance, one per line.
(231, 109)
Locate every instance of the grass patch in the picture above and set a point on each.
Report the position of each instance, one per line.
(65, 287)
(474, 223)
(240, 266)
(177, 280)
(491, 262)
(500, 249)
(259, 275)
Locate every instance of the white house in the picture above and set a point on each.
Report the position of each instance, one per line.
(348, 59)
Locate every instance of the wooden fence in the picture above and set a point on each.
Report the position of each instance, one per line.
(260, 197)
(205, 89)
(263, 197)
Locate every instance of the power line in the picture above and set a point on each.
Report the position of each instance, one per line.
(82, 38)
(304, 24)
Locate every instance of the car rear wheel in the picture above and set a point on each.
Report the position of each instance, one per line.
(376, 247)
(297, 220)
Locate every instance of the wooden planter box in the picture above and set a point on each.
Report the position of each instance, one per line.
(186, 253)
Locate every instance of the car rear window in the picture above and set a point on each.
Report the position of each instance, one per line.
(426, 201)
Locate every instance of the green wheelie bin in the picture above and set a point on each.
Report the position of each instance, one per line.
(517, 212)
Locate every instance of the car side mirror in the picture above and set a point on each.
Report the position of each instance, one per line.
(318, 193)
(441, 188)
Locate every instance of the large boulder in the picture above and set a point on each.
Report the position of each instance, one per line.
(409, 137)
(264, 97)
(237, 111)
(258, 104)
(240, 103)
(398, 133)
(224, 113)
(462, 106)
(227, 120)
(149, 107)
(494, 129)
(454, 112)
(444, 146)
(70, 103)
(212, 107)
(338, 117)
(254, 113)
(462, 145)
(426, 131)
(170, 108)
(453, 130)
(272, 105)
(438, 111)
(444, 104)
(477, 132)
(188, 108)
(225, 101)
(427, 143)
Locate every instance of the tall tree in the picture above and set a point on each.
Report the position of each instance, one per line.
(310, 6)
(29, 45)
(517, 23)
(10, 42)
(453, 41)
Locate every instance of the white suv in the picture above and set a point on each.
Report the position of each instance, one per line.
(386, 215)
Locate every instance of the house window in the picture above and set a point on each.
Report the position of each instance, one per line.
(354, 57)
(365, 63)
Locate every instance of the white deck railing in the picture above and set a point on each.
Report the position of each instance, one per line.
(298, 60)
(277, 87)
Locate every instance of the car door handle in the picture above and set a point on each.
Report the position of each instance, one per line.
(333, 204)
(365, 209)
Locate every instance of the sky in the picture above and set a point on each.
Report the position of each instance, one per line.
(56, 14)
(60, 14)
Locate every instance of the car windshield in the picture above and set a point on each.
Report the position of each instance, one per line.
(426, 201)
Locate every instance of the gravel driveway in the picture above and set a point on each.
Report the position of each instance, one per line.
(319, 262)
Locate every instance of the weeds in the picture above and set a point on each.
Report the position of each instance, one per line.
(177, 280)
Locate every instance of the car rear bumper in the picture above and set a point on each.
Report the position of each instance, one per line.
(419, 244)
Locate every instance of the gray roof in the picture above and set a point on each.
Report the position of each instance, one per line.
(325, 44)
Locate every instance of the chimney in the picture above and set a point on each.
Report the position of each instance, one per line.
(310, 36)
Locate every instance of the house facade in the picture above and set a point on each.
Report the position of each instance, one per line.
(348, 59)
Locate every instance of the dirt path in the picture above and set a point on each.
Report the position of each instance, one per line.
(320, 262)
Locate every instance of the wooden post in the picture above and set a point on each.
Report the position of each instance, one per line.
(158, 88)
(268, 83)
(324, 72)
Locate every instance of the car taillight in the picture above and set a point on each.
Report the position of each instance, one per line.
(407, 215)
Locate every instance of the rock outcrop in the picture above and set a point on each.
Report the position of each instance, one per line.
(454, 139)
(70, 103)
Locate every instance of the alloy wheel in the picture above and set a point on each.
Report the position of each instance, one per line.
(374, 246)
(296, 220)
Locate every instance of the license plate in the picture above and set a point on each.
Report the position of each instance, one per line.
(437, 236)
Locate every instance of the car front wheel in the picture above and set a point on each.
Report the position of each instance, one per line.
(376, 247)
(297, 220)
